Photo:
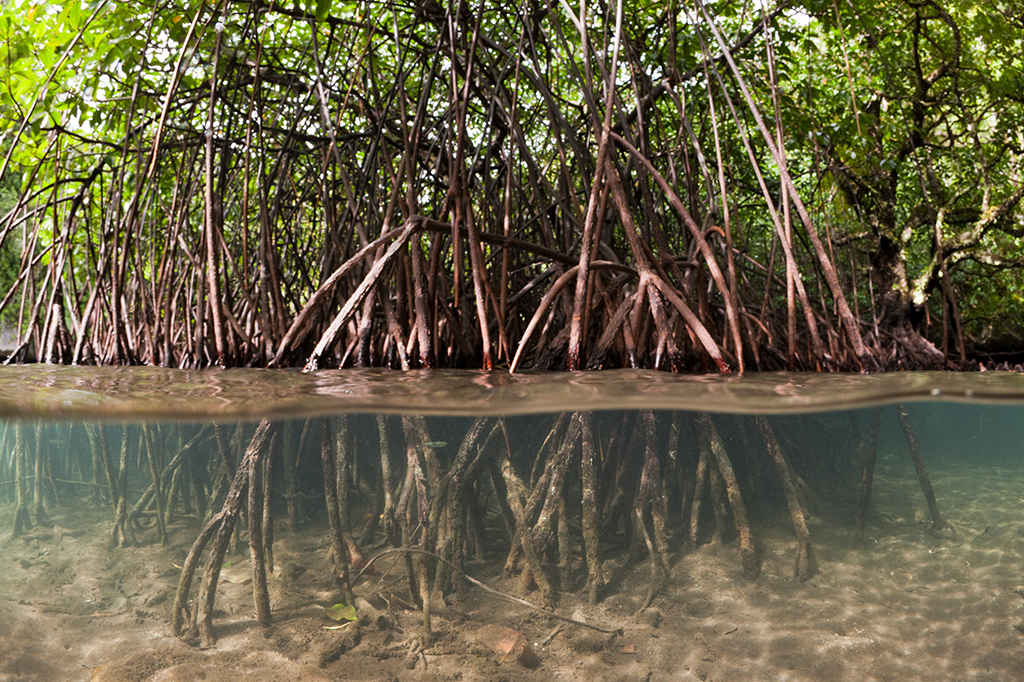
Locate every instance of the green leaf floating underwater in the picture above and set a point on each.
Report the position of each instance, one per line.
(341, 612)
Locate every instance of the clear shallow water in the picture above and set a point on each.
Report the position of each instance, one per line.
(463, 463)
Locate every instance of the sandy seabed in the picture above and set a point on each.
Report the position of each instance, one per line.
(912, 604)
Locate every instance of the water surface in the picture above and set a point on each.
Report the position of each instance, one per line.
(151, 392)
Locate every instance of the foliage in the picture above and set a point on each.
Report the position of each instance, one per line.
(9, 253)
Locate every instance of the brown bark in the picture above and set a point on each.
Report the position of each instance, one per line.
(739, 511)
(922, 472)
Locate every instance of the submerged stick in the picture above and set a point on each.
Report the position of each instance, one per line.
(870, 454)
(485, 588)
(922, 473)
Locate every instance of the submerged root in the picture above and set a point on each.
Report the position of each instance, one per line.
(220, 527)
(867, 475)
(659, 575)
(591, 522)
(938, 523)
(804, 563)
(577, 511)
(739, 511)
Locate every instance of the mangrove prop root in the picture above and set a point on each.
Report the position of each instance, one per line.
(564, 550)
(339, 552)
(554, 488)
(42, 451)
(415, 436)
(655, 491)
(870, 454)
(346, 479)
(173, 494)
(646, 497)
(922, 473)
(260, 593)
(344, 474)
(676, 474)
(748, 556)
(387, 481)
(154, 470)
(657, 575)
(450, 501)
(22, 522)
(424, 579)
(199, 478)
(94, 448)
(710, 477)
(188, 571)
(108, 464)
(229, 515)
(804, 564)
(619, 472)
(221, 525)
(700, 481)
(123, 533)
(591, 522)
(268, 500)
(422, 498)
(522, 537)
(513, 492)
(405, 526)
(501, 497)
(293, 499)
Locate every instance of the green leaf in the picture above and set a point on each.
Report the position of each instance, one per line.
(323, 8)
(341, 612)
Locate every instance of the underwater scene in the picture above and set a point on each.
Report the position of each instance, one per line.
(159, 525)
